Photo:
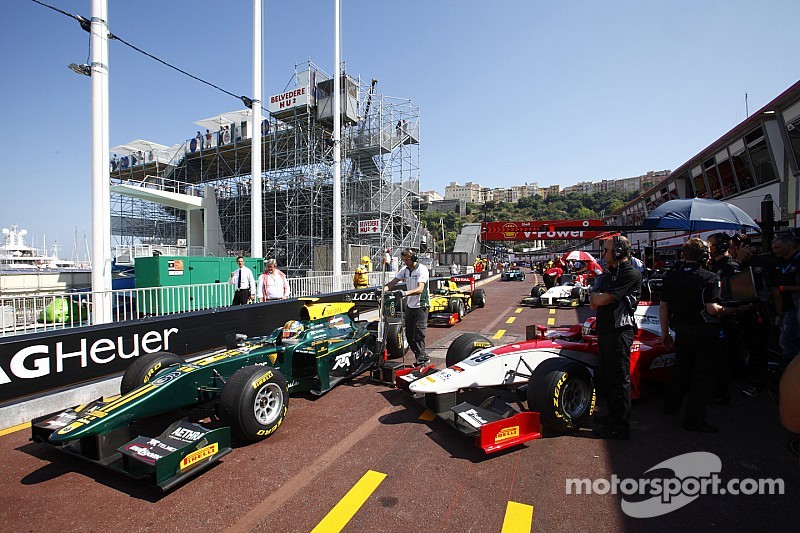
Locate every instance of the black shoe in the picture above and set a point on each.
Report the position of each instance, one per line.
(702, 427)
(612, 432)
(422, 362)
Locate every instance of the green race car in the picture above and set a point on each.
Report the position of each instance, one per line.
(244, 388)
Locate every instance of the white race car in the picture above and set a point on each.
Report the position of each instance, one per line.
(553, 371)
(573, 293)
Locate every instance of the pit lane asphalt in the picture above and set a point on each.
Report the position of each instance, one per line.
(436, 480)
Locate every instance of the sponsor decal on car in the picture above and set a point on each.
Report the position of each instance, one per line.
(506, 433)
(473, 418)
(203, 453)
(263, 379)
(145, 454)
(342, 360)
(185, 434)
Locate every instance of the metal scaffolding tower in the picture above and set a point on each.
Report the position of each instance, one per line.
(380, 177)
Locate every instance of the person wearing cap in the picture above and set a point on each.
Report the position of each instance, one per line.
(361, 275)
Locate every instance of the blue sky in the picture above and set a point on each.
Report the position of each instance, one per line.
(509, 92)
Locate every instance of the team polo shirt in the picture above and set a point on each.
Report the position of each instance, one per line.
(413, 278)
(624, 283)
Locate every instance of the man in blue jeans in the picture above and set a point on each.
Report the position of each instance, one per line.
(415, 275)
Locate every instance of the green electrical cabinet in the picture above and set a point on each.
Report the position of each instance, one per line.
(180, 284)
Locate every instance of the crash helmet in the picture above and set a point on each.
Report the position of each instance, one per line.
(589, 329)
(292, 330)
(365, 260)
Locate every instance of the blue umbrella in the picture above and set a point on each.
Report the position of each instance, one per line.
(699, 214)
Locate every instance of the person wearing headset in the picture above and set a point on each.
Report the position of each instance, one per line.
(415, 275)
(615, 300)
(725, 266)
(690, 298)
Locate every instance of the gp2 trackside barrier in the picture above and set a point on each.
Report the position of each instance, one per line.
(61, 358)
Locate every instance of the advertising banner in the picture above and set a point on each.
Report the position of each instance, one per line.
(540, 230)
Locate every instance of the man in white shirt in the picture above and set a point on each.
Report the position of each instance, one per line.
(454, 269)
(272, 284)
(415, 275)
(245, 283)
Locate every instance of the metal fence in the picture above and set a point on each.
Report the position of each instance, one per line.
(45, 312)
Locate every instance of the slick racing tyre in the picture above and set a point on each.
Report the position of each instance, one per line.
(563, 394)
(465, 345)
(479, 298)
(254, 402)
(577, 294)
(144, 368)
(537, 291)
(456, 306)
(396, 342)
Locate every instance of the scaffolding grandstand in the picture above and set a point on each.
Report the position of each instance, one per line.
(155, 190)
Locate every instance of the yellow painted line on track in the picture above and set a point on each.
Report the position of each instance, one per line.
(347, 507)
(511, 320)
(427, 415)
(518, 310)
(12, 429)
(499, 334)
(552, 311)
(519, 517)
(551, 321)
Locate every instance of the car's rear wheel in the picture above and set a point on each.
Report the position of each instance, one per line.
(563, 394)
(479, 298)
(465, 345)
(144, 368)
(254, 402)
(396, 342)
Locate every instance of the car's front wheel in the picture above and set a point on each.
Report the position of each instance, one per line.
(144, 368)
(563, 394)
(254, 402)
(465, 345)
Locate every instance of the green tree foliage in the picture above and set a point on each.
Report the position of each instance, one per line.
(572, 206)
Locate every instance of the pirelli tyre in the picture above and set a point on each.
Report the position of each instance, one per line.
(479, 298)
(563, 394)
(254, 402)
(396, 342)
(465, 345)
(144, 368)
(456, 306)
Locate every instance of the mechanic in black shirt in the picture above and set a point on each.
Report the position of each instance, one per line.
(689, 303)
(785, 287)
(725, 266)
(615, 300)
(755, 325)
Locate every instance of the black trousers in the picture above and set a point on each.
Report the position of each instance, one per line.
(241, 297)
(615, 373)
(697, 350)
(416, 323)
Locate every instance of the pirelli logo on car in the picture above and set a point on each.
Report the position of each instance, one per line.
(263, 379)
(507, 433)
(195, 457)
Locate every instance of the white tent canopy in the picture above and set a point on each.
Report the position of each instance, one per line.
(161, 153)
(214, 124)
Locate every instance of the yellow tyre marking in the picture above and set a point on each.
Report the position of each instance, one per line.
(519, 517)
(511, 320)
(499, 334)
(518, 310)
(551, 321)
(427, 415)
(552, 311)
(347, 507)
